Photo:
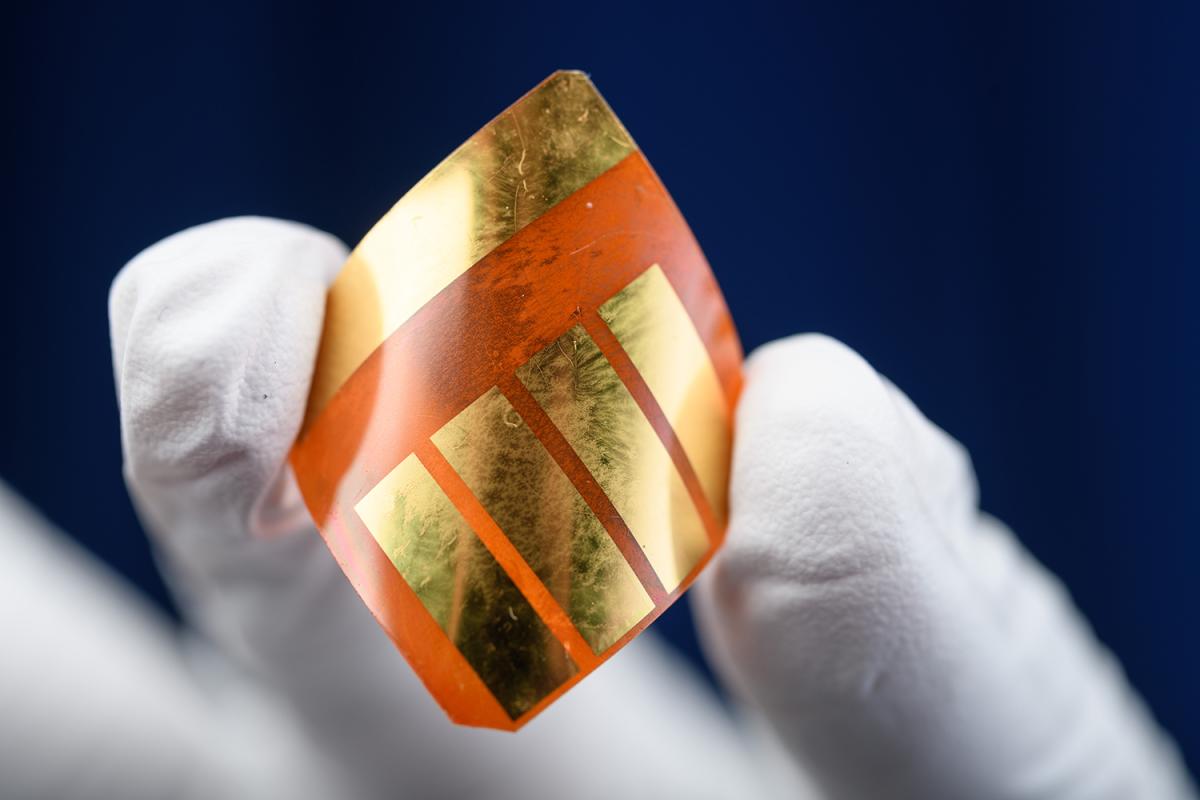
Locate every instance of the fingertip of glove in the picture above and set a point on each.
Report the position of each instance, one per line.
(229, 236)
(815, 485)
(815, 382)
(808, 355)
(816, 549)
(214, 333)
(198, 264)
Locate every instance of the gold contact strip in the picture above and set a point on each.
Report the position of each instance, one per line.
(657, 333)
(408, 514)
(544, 517)
(611, 347)
(539, 597)
(572, 465)
(576, 385)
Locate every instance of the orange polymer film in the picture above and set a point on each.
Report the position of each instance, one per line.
(518, 439)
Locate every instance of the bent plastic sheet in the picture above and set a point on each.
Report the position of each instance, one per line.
(518, 436)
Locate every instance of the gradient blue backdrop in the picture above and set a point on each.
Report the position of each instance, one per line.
(996, 204)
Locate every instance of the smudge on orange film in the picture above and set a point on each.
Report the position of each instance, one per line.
(518, 435)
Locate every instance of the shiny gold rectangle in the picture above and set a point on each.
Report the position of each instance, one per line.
(555, 140)
(463, 587)
(545, 518)
(581, 392)
(654, 328)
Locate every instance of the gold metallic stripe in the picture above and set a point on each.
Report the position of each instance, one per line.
(534, 503)
(463, 587)
(553, 141)
(654, 328)
(579, 390)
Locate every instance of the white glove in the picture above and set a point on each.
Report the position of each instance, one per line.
(901, 643)
(896, 641)
(100, 698)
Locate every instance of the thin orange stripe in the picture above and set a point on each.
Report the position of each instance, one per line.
(603, 336)
(506, 555)
(569, 461)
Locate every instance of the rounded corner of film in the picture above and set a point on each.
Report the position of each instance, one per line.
(518, 438)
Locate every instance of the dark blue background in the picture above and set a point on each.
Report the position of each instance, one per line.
(996, 204)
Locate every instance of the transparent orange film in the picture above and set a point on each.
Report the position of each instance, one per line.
(518, 436)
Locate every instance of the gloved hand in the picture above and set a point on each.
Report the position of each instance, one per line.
(897, 642)
(214, 333)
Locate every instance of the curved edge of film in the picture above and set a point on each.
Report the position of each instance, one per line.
(554, 140)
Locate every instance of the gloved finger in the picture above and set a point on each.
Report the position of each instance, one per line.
(98, 698)
(899, 642)
(214, 335)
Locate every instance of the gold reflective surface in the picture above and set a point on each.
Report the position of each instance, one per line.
(463, 587)
(553, 141)
(579, 390)
(545, 518)
(654, 328)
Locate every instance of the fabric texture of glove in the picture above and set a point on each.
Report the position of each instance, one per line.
(900, 642)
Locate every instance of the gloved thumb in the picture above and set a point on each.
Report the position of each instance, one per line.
(901, 643)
